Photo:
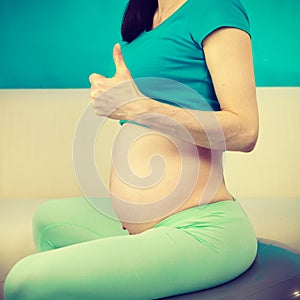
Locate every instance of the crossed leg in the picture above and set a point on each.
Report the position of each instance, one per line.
(93, 258)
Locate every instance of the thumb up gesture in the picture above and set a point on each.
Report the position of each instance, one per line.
(117, 97)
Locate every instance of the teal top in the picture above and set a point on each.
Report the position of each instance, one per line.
(173, 50)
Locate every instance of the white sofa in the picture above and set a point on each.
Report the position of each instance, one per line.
(37, 128)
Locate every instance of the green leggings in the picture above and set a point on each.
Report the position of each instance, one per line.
(91, 256)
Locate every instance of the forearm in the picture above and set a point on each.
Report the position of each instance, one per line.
(217, 130)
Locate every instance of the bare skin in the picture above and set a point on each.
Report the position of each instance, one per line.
(233, 78)
(165, 9)
(151, 144)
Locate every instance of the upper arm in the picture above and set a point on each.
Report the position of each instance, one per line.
(228, 54)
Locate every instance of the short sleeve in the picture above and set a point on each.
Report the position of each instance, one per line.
(209, 15)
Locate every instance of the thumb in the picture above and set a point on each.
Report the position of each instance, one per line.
(121, 68)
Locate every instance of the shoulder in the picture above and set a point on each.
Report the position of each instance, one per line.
(212, 6)
(206, 16)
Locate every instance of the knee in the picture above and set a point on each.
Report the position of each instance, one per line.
(19, 283)
(15, 286)
(44, 216)
(31, 278)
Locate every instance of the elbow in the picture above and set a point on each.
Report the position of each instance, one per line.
(250, 140)
(244, 134)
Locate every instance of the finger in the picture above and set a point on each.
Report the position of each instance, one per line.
(96, 92)
(93, 95)
(93, 78)
(121, 68)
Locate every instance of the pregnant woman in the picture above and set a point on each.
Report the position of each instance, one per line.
(184, 92)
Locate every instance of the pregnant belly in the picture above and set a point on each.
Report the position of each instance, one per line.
(154, 176)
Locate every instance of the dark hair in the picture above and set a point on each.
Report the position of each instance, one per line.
(138, 16)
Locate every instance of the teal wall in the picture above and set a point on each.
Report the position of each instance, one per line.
(58, 43)
(275, 28)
